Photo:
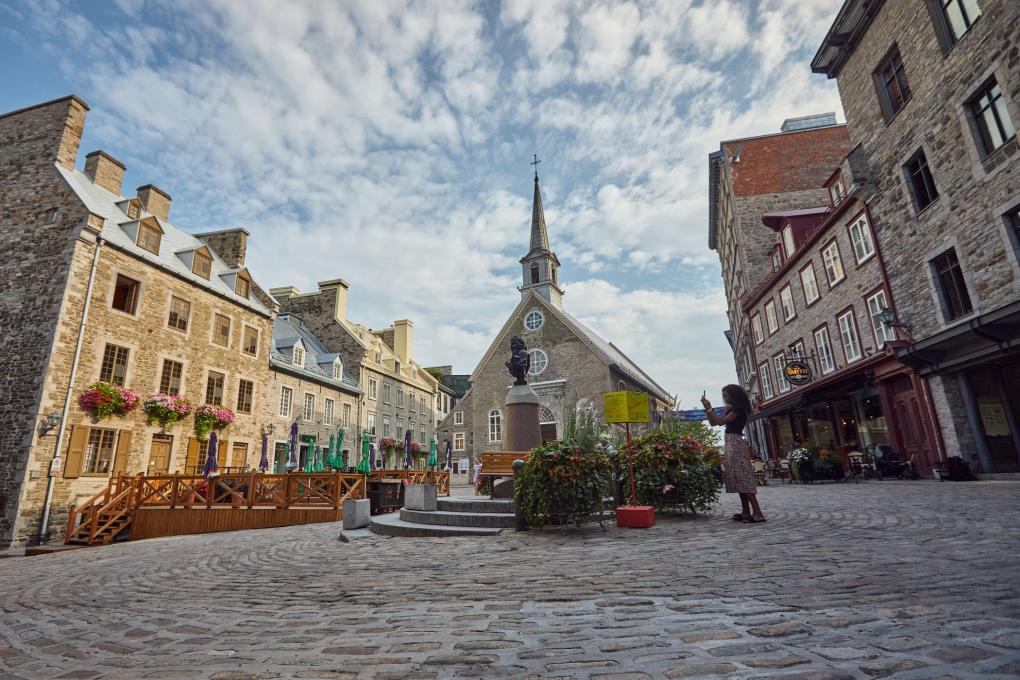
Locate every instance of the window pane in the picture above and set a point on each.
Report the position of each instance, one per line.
(954, 16)
(285, 398)
(170, 378)
(113, 368)
(221, 330)
(245, 392)
(180, 310)
(251, 341)
(98, 452)
(214, 388)
(125, 294)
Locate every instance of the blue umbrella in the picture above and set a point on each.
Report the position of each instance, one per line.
(264, 463)
(210, 462)
(408, 460)
(449, 455)
(292, 462)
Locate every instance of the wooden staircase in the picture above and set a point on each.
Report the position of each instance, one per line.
(100, 519)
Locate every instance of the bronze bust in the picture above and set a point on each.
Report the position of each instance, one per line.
(520, 360)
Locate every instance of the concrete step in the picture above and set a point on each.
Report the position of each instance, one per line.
(391, 525)
(475, 504)
(500, 520)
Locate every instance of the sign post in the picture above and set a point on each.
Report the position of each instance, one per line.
(624, 408)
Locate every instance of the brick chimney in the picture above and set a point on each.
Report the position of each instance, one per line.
(104, 170)
(155, 200)
(337, 288)
(402, 340)
(229, 244)
(36, 136)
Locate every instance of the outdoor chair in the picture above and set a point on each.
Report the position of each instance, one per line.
(855, 461)
(759, 471)
(784, 471)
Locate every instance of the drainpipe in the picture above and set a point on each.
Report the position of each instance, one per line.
(43, 535)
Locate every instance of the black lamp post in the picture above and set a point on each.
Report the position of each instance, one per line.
(888, 317)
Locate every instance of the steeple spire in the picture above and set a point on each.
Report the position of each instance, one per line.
(539, 235)
(540, 265)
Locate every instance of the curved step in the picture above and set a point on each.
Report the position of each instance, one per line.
(499, 520)
(391, 525)
(475, 504)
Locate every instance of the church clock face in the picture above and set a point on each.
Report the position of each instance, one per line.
(534, 320)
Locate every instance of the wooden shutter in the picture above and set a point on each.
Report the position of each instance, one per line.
(194, 450)
(123, 450)
(221, 454)
(76, 451)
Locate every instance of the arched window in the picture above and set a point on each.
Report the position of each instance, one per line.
(620, 386)
(534, 273)
(539, 360)
(545, 415)
(495, 425)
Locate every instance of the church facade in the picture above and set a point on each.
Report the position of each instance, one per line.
(571, 365)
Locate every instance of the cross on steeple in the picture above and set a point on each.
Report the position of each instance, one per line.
(535, 163)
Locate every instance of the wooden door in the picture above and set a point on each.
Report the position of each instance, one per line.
(548, 432)
(159, 454)
(910, 427)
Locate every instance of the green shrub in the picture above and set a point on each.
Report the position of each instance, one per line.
(672, 470)
(563, 482)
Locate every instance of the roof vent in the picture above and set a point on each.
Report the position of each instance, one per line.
(818, 120)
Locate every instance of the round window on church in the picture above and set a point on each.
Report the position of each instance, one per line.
(534, 320)
(539, 361)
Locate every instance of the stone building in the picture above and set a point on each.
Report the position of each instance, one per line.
(101, 286)
(309, 387)
(820, 311)
(748, 178)
(571, 366)
(931, 91)
(398, 394)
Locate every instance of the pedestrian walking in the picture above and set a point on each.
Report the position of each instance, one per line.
(738, 475)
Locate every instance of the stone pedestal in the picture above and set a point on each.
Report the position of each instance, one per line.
(522, 431)
(357, 513)
(421, 497)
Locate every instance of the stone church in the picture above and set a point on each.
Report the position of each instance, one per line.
(571, 365)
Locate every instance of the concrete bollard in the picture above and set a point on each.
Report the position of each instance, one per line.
(357, 513)
(421, 497)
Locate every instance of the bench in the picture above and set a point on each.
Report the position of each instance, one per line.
(498, 464)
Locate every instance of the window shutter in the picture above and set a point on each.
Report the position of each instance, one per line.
(76, 451)
(123, 450)
(194, 450)
(883, 96)
(221, 454)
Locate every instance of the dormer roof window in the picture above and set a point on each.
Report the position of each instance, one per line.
(837, 190)
(149, 235)
(338, 370)
(298, 356)
(202, 263)
(133, 208)
(243, 285)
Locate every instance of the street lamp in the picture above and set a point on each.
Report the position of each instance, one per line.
(888, 317)
(52, 420)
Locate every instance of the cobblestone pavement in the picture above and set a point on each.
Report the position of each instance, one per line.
(903, 580)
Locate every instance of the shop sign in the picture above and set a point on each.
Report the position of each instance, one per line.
(993, 417)
(626, 407)
(798, 372)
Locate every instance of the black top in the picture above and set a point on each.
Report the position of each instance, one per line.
(736, 426)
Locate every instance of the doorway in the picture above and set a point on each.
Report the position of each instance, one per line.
(909, 426)
(159, 454)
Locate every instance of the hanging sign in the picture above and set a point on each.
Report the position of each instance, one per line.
(797, 372)
(626, 407)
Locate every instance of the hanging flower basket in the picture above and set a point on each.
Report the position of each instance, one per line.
(415, 448)
(103, 400)
(387, 443)
(166, 409)
(208, 417)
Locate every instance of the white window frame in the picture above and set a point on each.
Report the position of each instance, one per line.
(421, 404)
(849, 338)
(786, 297)
(387, 393)
(788, 243)
(386, 425)
(308, 408)
(779, 363)
(345, 415)
(756, 328)
(373, 389)
(400, 397)
(883, 332)
(826, 361)
(810, 269)
(458, 417)
(286, 401)
(537, 367)
(833, 262)
(459, 441)
(327, 412)
(863, 244)
(338, 370)
(765, 376)
(495, 426)
(370, 422)
(297, 357)
(771, 317)
(534, 314)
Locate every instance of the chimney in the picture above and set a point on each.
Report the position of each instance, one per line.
(38, 135)
(155, 200)
(402, 339)
(338, 288)
(104, 170)
(284, 292)
(229, 244)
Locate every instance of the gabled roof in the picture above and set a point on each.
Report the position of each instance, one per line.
(606, 351)
(289, 331)
(103, 203)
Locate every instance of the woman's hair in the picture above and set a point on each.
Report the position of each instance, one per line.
(739, 400)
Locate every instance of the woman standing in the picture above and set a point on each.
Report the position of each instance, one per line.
(739, 475)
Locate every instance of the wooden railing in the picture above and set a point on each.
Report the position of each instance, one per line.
(440, 479)
(109, 512)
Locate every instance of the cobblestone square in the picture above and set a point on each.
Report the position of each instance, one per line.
(900, 580)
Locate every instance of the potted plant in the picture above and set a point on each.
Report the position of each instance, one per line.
(563, 483)
(802, 462)
(673, 470)
(102, 400)
(166, 409)
(208, 417)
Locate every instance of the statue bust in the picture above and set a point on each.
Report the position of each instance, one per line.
(520, 360)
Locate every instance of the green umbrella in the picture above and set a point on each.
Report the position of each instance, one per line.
(310, 463)
(331, 458)
(340, 435)
(363, 462)
(433, 453)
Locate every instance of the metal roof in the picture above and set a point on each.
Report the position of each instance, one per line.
(287, 330)
(850, 24)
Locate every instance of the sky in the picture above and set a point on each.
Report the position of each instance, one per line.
(388, 142)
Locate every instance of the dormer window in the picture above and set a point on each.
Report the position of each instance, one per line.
(149, 235)
(298, 358)
(242, 287)
(338, 371)
(837, 191)
(777, 258)
(788, 242)
(396, 367)
(202, 264)
(133, 211)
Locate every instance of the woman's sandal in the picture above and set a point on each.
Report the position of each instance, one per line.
(739, 517)
(752, 520)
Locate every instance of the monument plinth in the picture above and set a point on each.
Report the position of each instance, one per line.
(523, 432)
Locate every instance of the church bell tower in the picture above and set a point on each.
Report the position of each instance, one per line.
(540, 266)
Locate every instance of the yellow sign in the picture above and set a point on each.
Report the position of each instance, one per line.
(626, 407)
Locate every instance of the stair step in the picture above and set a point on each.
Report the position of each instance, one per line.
(476, 504)
(499, 520)
(391, 525)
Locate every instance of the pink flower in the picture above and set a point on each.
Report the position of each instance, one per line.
(668, 488)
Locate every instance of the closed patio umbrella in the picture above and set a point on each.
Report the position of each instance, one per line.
(371, 456)
(363, 465)
(264, 461)
(211, 468)
(331, 458)
(292, 462)
(408, 456)
(449, 455)
(433, 453)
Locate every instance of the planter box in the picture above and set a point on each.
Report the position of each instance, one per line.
(635, 516)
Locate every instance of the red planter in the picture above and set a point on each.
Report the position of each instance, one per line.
(635, 516)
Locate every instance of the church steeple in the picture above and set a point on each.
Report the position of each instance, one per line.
(540, 265)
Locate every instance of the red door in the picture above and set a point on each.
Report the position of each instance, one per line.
(910, 428)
